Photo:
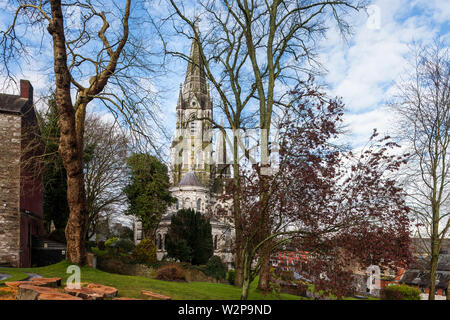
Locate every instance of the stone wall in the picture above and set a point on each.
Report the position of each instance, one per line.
(10, 143)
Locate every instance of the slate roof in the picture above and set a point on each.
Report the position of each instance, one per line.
(12, 103)
(190, 179)
(422, 279)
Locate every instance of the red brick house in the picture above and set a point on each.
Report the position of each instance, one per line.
(21, 190)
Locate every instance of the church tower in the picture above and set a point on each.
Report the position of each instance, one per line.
(191, 149)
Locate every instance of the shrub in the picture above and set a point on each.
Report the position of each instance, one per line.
(189, 237)
(215, 268)
(231, 276)
(171, 272)
(110, 242)
(400, 292)
(98, 252)
(124, 245)
(145, 252)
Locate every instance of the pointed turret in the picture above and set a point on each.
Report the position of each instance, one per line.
(195, 81)
(221, 146)
(180, 98)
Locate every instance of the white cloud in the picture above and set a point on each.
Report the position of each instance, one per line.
(364, 71)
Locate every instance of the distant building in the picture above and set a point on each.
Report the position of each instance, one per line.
(197, 174)
(21, 191)
(417, 274)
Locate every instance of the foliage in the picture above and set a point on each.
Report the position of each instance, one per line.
(98, 252)
(231, 276)
(56, 208)
(171, 272)
(147, 191)
(124, 246)
(347, 207)
(189, 237)
(145, 252)
(110, 242)
(400, 292)
(215, 268)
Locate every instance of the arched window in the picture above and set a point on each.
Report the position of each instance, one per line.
(187, 203)
(215, 242)
(159, 241)
(165, 241)
(199, 205)
(178, 204)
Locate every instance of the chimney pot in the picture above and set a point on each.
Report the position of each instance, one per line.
(26, 90)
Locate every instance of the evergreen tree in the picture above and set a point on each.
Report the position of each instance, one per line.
(189, 237)
(56, 208)
(148, 191)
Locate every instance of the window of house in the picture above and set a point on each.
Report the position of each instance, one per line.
(165, 241)
(199, 204)
(178, 204)
(215, 242)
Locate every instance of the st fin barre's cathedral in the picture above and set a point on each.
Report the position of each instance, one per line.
(198, 168)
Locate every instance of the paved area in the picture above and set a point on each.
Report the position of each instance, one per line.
(4, 276)
(33, 275)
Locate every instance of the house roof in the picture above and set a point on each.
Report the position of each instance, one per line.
(12, 103)
(190, 179)
(419, 278)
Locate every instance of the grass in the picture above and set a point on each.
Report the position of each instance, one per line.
(130, 286)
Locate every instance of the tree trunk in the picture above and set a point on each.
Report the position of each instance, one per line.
(239, 270)
(264, 272)
(433, 268)
(246, 281)
(69, 146)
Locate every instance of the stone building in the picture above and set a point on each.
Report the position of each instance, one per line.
(21, 191)
(198, 166)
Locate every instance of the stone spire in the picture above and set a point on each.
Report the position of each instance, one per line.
(195, 81)
(180, 98)
(221, 147)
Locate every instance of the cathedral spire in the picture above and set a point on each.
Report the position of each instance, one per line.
(195, 81)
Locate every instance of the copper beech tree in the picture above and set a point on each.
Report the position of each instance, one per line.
(97, 58)
(345, 209)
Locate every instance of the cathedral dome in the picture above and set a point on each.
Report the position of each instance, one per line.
(190, 179)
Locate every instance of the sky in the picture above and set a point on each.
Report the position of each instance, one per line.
(362, 69)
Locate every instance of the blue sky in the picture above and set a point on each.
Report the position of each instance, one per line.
(362, 70)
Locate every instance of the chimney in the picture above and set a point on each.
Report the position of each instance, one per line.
(26, 90)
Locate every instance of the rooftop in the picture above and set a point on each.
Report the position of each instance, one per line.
(190, 179)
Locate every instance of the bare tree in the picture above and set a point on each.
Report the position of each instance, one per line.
(423, 107)
(251, 52)
(105, 171)
(101, 60)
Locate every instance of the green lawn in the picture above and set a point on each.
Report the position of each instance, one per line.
(130, 286)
